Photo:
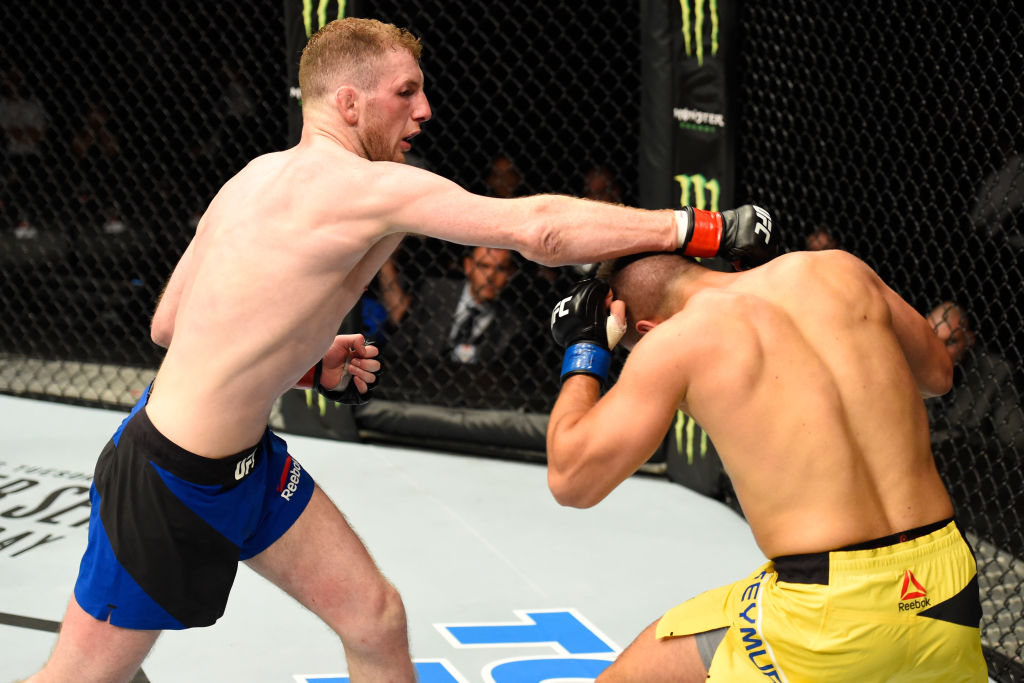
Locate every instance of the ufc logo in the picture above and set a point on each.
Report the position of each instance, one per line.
(245, 466)
(764, 224)
(560, 310)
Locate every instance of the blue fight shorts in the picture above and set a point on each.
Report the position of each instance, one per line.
(168, 527)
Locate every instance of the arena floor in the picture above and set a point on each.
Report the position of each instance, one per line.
(501, 585)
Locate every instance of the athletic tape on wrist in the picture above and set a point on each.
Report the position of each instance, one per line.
(682, 228)
(586, 357)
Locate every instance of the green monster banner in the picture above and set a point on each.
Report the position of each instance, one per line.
(686, 159)
(302, 19)
(686, 141)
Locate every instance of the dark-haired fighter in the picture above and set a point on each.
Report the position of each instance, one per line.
(808, 374)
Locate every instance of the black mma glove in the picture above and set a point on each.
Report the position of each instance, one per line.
(741, 236)
(581, 323)
(348, 394)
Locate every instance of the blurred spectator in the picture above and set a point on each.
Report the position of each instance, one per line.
(383, 305)
(600, 184)
(94, 138)
(96, 176)
(985, 400)
(483, 345)
(24, 122)
(238, 103)
(504, 179)
(999, 202)
(230, 140)
(820, 240)
(463, 321)
(22, 118)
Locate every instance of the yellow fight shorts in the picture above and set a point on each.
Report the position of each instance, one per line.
(888, 610)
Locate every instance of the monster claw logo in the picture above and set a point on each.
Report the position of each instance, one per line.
(693, 27)
(699, 191)
(321, 13)
(684, 429)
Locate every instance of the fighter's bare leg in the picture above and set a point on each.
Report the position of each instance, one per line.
(89, 650)
(649, 660)
(323, 564)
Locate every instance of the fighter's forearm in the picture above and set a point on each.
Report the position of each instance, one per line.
(566, 230)
(573, 446)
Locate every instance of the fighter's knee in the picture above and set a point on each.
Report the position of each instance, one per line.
(378, 616)
(388, 608)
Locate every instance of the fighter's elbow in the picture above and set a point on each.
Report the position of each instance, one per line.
(161, 332)
(567, 492)
(544, 242)
(941, 383)
(945, 382)
(939, 379)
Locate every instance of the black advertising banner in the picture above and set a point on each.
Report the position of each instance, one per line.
(686, 159)
(686, 138)
(302, 19)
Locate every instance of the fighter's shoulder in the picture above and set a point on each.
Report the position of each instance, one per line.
(832, 268)
(828, 260)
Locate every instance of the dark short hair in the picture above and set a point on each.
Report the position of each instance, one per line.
(642, 282)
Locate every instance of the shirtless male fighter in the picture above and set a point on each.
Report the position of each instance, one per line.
(194, 481)
(808, 374)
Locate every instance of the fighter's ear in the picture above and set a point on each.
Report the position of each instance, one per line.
(346, 99)
(644, 326)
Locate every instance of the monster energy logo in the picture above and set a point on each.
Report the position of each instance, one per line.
(699, 192)
(686, 425)
(695, 119)
(693, 27)
(321, 14)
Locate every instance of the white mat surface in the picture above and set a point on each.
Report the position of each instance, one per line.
(468, 542)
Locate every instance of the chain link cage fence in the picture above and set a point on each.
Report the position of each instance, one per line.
(894, 130)
(897, 130)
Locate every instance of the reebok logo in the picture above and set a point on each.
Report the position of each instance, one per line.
(911, 587)
(245, 465)
(289, 479)
(912, 594)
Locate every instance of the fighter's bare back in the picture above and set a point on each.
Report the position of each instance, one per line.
(816, 416)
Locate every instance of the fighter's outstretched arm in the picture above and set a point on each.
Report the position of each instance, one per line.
(559, 230)
(549, 229)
